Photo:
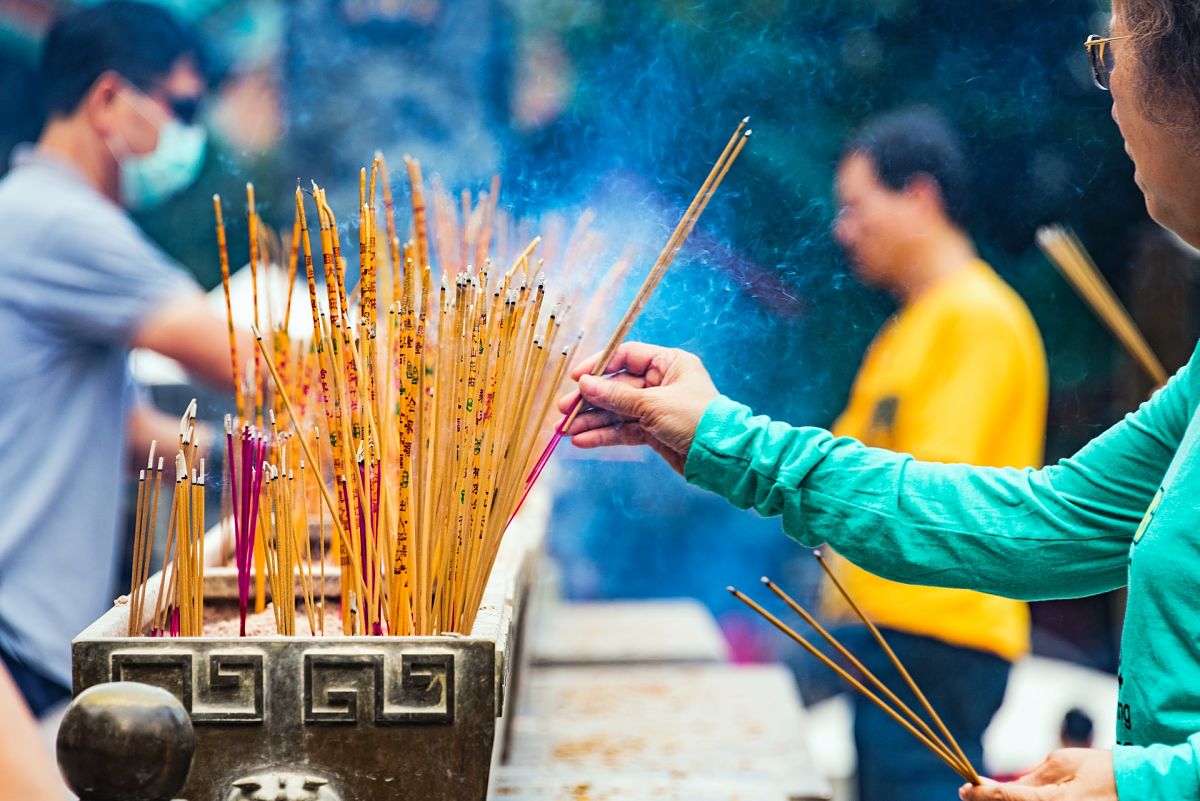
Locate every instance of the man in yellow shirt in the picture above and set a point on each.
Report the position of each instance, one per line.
(957, 375)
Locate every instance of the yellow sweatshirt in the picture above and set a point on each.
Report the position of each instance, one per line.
(959, 375)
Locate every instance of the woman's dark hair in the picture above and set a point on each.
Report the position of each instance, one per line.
(139, 41)
(908, 144)
(1166, 43)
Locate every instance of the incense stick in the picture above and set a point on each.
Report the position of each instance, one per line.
(223, 252)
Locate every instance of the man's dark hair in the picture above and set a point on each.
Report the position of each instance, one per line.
(907, 144)
(140, 41)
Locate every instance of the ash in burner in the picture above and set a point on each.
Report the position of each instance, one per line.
(225, 623)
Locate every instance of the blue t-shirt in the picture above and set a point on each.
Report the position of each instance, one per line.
(77, 279)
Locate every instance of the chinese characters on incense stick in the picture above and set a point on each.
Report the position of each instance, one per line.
(412, 423)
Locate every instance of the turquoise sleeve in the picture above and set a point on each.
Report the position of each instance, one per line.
(1063, 531)
(1158, 771)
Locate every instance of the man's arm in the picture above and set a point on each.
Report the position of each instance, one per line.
(186, 330)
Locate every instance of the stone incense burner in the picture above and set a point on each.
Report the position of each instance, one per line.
(323, 718)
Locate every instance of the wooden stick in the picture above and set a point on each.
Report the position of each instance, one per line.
(293, 266)
(252, 218)
(912, 685)
(138, 535)
(198, 507)
(162, 605)
(321, 619)
(307, 569)
(390, 222)
(682, 230)
(144, 542)
(420, 225)
(151, 530)
(260, 579)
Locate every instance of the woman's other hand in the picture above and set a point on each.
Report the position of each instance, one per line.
(1072, 774)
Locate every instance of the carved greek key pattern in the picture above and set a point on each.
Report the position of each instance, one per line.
(338, 687)
(231, 690)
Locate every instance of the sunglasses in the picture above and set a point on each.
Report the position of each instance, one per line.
(1101, 58)
(184, 109)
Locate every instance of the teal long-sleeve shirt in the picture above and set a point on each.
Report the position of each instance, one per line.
(1125, 510)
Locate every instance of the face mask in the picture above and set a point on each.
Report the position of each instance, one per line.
(149, 180)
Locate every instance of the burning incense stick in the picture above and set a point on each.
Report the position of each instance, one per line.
(1066, 252)
(686, 223)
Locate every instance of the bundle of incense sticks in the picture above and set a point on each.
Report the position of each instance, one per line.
(426, 443)
(288, 547)
(426, 423)
(178, 611)
(415, 417)
(231, 511)
(244, 462)
(1066, 252)
(414, 421)
(941, 742)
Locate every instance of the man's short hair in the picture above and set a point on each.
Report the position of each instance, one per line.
(907, 144)
(140, 41)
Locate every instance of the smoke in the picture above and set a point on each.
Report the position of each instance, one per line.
(622, 107)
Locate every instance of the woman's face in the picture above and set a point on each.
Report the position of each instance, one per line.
(1167, 169)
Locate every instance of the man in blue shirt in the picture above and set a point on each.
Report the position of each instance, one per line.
(82, 286)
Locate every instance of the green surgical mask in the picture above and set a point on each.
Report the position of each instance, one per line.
(149, 180)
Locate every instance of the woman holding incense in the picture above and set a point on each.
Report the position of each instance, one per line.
(1121, 512)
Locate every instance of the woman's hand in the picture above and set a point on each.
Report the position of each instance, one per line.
(1073, 774)
(651, 396)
